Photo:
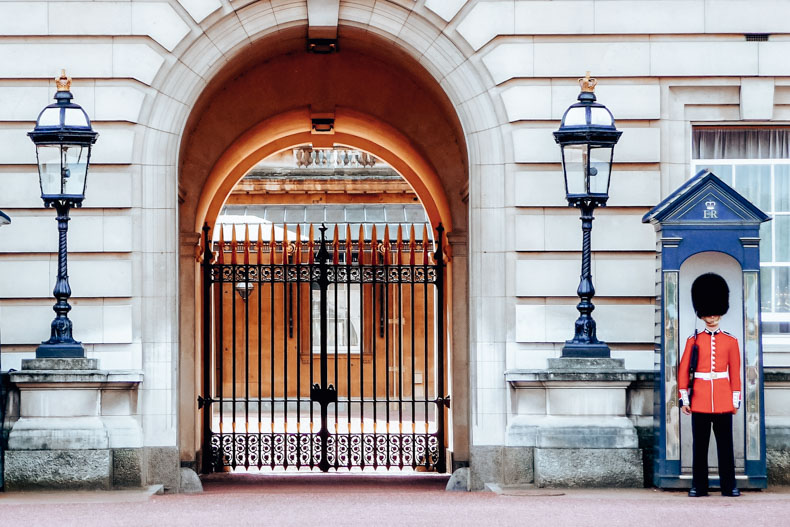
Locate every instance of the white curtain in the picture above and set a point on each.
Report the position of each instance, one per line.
(741, 143)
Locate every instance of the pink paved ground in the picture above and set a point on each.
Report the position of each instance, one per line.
(372, 500)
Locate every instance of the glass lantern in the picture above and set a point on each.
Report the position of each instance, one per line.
(587, 136)
(63, 137)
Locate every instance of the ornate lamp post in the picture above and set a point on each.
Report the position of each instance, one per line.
(586, 136)
(63, 137)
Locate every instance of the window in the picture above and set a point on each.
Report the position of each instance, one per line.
(342, 318)
(756, 163)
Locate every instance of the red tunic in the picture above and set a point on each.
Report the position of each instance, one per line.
(712, 396)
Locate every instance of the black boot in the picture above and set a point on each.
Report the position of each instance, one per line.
(694, 494)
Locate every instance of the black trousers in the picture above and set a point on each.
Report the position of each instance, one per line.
(722, 427)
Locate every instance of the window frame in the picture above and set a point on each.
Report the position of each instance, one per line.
(767, 316)
(342, 349)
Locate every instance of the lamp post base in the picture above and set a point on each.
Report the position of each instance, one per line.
(585, 350)
(63, 350)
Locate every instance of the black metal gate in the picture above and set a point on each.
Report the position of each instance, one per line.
(323, 354)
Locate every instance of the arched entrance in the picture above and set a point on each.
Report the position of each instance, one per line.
(377, 99)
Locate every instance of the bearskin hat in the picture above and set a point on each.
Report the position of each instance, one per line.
(710, 295)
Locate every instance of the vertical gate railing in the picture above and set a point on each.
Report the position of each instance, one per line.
(323, 354)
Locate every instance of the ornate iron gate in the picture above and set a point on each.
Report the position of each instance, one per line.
(323, 354)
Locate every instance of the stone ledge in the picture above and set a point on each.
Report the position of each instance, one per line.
(520, 378)
(60, 364)
(575, 369)
(91, 377)
(584, 364)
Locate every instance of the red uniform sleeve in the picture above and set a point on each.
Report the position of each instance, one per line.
(683, 368)
(734, 363)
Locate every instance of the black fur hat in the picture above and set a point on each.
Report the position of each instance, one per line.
(710, 295)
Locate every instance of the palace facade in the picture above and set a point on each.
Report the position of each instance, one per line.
(459, 98)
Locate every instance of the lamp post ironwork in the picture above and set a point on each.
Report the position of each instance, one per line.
(586, 136)
(63, 137)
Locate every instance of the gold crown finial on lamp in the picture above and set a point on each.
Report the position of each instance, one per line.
(588, 83)
(63, 82)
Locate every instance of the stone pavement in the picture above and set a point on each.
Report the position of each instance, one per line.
(383, 500)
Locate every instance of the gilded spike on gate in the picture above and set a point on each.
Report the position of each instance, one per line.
(311, 245)
(361, 245)
(221, 243)
(246, 244)
(412, 245)
(272, 248)
(335, 247)
(399, 243)
(349, 252)
(259, 245)
(425, 243)
(233, 245)
(285, 243)
(374, 245)
(298, 245)
(386, 243)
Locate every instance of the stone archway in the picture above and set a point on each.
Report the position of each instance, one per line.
(351, 129)
(381, 101)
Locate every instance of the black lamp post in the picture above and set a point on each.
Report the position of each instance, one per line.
(587, 136)
(63, 137)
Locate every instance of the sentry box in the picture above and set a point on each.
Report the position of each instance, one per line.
(706, 226)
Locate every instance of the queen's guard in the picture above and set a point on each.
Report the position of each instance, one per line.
(709, 381)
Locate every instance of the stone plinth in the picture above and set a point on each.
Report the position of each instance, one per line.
(573, 415)
(78, 427)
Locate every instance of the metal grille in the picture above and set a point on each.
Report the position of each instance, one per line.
(323, 355)
(756, 37)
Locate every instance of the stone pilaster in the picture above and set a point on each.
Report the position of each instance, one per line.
(574, 416)
(78, 427)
